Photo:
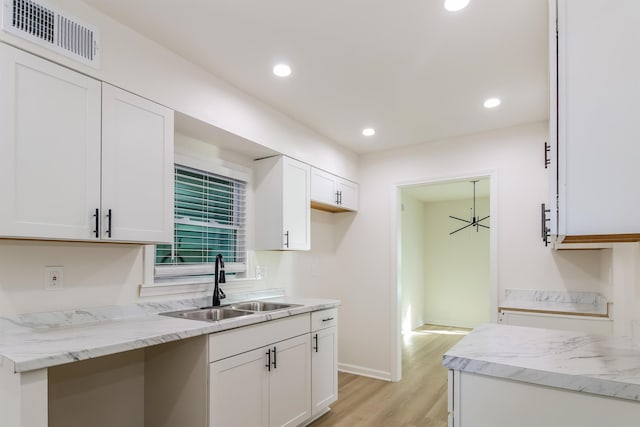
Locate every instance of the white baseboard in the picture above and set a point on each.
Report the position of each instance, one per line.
(365, 372)
(453, 323)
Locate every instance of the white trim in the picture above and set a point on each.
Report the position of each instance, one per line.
(365, 372)
(396, 330)
(217, 166)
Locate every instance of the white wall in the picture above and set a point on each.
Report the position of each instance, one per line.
(412, 265)
(457, 285)
(365, 253)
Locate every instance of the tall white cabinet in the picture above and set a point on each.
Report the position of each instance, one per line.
(80, 159)
(282, 202)
(594, 110)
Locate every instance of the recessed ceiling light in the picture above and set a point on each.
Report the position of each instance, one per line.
(491, 103)
(368, 131)
(282, 70)
(455, 5)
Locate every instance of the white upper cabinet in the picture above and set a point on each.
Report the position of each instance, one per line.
(49, 149)
(596, 100)
(332, 193)
(282, 202)
(137, 168)
(78, 164)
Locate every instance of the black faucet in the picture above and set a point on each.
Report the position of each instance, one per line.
(218, 278)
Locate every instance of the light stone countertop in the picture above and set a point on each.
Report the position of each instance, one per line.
(42, 340)
(598, 364)
(568, 302)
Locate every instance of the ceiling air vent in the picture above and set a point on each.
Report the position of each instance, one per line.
(51, 27)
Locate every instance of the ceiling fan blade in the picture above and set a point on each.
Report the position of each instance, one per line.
(482, 219)
(460, 219)
(460, 229)
(484, 226)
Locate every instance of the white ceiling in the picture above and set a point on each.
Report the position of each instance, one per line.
(454, 190)
(410, 69)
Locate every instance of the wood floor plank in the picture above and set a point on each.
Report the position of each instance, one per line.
(419, 400)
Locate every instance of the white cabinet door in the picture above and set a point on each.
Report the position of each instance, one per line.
(347, 194)
(598, 133)
(49, 149)
(282, 204)
(239, 390)
(137, 168)
(323, 187)
(296, 209)
(290, 382)
(324, 369)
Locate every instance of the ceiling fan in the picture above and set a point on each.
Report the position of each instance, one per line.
(475, 221)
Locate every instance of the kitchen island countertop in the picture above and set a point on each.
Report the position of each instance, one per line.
(597, 364)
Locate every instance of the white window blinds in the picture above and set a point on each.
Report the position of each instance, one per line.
(209, 220)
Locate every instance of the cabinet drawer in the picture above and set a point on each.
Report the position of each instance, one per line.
(324, 318)
(236, 341)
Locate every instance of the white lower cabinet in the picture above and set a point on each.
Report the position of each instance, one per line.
(260, 375)
(268, 386)
(270, 374)
(324, 360)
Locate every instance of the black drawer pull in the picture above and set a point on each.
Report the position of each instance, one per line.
(327, 319)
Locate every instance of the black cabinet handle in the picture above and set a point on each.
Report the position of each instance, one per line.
(315, 347)
(327, 319)
(96, 215)
(340, 197)
(544, 230)
(286, 242)
(268, 365)
(337, 197)
(547, 159)
(275, 363)
(109, 216)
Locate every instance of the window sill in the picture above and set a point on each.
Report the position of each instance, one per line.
(185, 286)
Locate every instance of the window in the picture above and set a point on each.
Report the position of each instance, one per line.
(209, 220)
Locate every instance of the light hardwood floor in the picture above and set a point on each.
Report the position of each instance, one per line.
(419, 400)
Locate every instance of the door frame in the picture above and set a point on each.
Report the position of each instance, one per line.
(396, 229)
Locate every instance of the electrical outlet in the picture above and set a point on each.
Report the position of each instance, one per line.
(260, 272)
(53, 278)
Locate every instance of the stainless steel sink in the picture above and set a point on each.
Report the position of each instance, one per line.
(262, 306)
(209, 314)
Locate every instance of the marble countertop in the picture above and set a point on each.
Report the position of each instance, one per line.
(566, 302)
(42, 340)
(598, 364)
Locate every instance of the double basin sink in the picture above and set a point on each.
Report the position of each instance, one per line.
(212, 314)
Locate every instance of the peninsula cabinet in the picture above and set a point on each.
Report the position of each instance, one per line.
(332, 193)
(80, 159)
(282, 202)
(593, 121)
(483, 401)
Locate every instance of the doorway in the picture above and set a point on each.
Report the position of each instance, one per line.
(446, 255)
